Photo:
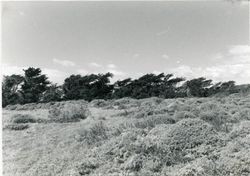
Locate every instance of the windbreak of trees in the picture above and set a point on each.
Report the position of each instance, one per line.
(149, 85)
(35, 87)
(87, 87)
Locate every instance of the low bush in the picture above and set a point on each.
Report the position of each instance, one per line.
(69, 113)
(16, 127)
(145, 111)
(240, 130)
(88, 166)
(98, 103)
(216, 118)
(125, 113)
(23, 118)
(12, 107)
(152, 121)
(244, 113)
(209, 106)
(144, 124)
(183, 115)
(153, 101)
(95, 134)
(138, 151)
(134, 163)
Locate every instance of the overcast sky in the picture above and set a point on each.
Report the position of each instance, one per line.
(189, 39)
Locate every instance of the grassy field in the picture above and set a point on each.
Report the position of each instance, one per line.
(169, 137)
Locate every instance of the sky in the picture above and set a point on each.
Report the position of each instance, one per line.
(128, 39)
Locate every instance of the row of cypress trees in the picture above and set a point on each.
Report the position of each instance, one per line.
(35, 87)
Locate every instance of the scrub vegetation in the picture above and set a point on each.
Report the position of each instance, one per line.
(153, 136)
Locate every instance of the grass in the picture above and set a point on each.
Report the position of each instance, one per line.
(177, 137)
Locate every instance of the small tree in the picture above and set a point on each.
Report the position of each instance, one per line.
(53, 93)
(87, 87)
(198, 87)
(101, 87)
(222, 87)
(35, 83)
(169, 88)
(122, 88)
(11, 90)
(148, 85)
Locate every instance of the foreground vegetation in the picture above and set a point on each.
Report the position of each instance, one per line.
(154, 136)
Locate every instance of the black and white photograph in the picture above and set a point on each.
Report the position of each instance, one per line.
(125, 88)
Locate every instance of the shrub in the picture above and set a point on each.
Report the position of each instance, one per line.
(134, 163)
(88, 166)
(216, 118)
(240, 130)
(151, 122)
(98, 103)
(140, 151)
(23, 118)
(95, 134)
(170, 143)
(125, 112)
(153, 101)
(143, 124)
(183, 115)
(69, 113)
(142, 114)
(199, 167)
(145, 111)
(165, 145)
(245, 114)
(12, 107)
(154, 165)
(124, 103)
(17, 127)
(209, 106)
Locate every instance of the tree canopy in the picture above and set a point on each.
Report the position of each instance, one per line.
(35, 87)
(35, 83)
(11, 92)
(87, 87)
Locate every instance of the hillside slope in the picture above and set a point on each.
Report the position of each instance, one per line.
(171, 137)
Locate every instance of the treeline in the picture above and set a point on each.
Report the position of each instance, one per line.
(35, 87)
